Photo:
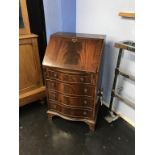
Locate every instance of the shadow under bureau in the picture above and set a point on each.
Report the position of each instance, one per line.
(72, 68)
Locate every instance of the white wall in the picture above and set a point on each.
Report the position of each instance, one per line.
(101, 17)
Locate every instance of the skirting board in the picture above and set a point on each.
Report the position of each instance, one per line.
(122, 116)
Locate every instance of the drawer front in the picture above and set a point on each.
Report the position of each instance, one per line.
(70, 89)
(74, 113)
(86, 102)
(66, 77)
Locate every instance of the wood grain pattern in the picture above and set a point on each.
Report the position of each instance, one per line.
(31, 35)
(127, 14)
(71, 112)
(52, 114)
(89, 122)
(71, 78)
(70, 89)
(29, 68)
(73, 101)
(72, 70)
(32, 95)
(82, 54)
(30, 77)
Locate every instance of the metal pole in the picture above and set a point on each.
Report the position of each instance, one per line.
(115, 78)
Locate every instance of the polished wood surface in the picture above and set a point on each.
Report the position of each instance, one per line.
(71, 112)
(68, 100)
(74, 53)
(30, 77)
(72, 70)
(90, 123)
(71, 78)
(71, 89)
(78, 35)
(127, 14)
(21, 37)
(32, 95)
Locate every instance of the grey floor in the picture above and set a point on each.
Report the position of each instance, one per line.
(40, 136)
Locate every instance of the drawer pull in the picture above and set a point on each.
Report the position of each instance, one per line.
(55, 75)
(85, 90)
(85, 113)
(85, 102)
(74, 40)
(82, 79)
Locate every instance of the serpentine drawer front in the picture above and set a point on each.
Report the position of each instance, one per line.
(72, 69)
(71, 78)
(83, 101)
(70, 89)
(71, 112)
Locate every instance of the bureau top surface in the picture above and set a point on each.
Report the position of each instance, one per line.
(74, 51)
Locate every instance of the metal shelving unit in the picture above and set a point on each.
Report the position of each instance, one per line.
(129, 46)
(123, 46)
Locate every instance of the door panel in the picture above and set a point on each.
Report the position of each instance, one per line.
(29, 77)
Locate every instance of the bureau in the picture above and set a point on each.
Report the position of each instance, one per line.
(72, 69)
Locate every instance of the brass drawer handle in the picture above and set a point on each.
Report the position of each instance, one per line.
(85, 102)
(82, 79)
(74, 40)
(85, 113)
(85, 90)
(55, 75)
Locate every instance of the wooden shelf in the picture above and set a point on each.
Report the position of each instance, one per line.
(127, 15)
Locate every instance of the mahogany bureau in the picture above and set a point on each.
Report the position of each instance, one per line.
(72, 68)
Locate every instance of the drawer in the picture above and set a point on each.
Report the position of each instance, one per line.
(67, 77)
(74, 101)
(70, 89)
(71, 112)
